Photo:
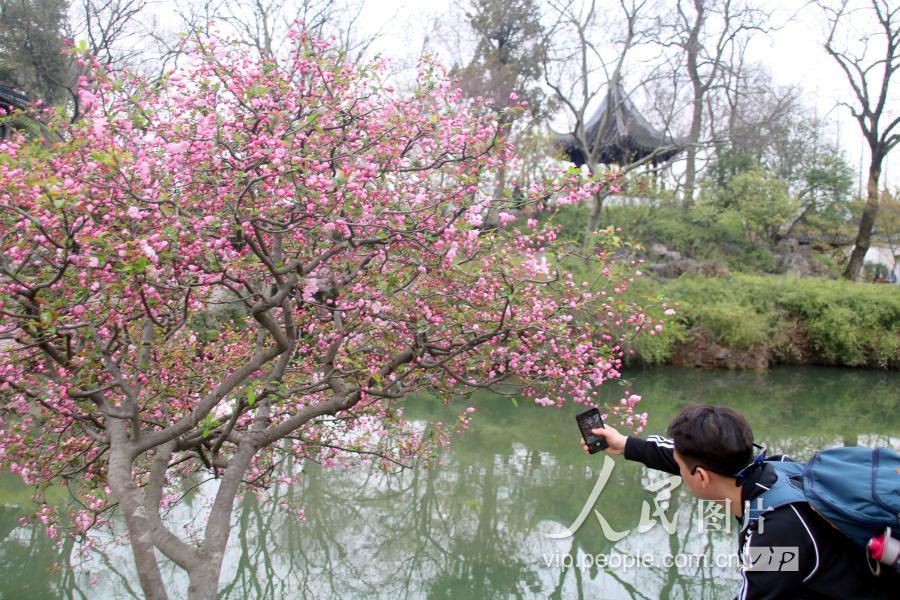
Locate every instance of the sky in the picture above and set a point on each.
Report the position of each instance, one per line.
(794, 53)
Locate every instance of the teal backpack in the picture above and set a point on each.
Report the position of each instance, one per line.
(855, 489)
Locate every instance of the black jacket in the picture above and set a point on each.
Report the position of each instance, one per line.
(829, 564)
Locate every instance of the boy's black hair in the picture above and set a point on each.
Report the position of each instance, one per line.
(716, 438)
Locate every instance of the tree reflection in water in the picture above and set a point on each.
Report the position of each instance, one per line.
(473, 525)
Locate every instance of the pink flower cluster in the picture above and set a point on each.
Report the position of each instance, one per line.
(297, 210)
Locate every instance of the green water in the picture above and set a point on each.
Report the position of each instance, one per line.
(476, 525)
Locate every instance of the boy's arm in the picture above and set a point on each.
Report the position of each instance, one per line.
(656, 452)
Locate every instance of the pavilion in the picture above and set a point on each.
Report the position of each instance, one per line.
(624, 135)
(10, 100)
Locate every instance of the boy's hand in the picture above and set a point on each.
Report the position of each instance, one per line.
(615, 440)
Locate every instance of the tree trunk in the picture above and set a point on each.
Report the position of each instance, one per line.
(690, 166)
(866, 223)
(204, 580)
(594, 219)
(693, 69)
(492, 219)
(130, 499)
(204, 576)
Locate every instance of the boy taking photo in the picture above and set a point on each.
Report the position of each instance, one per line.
(712, 449)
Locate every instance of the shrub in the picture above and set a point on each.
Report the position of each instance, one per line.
(844, 323)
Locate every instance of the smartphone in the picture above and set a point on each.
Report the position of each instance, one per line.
(590, 419)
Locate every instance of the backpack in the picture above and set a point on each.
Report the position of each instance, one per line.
(855, 489)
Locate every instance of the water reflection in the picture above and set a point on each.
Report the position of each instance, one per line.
(474, 525)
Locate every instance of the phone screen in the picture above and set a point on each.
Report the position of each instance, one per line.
(590, 419)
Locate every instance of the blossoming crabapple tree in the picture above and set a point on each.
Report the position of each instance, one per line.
(329, 225)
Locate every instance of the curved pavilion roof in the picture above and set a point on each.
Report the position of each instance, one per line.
(625, 136)
(10, 97)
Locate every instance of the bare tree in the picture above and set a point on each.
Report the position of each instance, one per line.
(707, 32)
(578, 68)
(115, 29)
(263, 24)
(33, 36)
(665, 101)
(868, 67)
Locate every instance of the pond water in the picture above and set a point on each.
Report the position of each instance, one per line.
(479, 524)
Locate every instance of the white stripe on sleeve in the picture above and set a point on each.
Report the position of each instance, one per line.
(661, 441)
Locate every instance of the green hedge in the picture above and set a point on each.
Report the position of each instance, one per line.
(811, 320)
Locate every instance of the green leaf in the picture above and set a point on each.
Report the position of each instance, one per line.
(251, 396)
(141, 264)
(209, 422)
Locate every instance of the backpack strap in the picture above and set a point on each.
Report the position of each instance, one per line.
(783, 492)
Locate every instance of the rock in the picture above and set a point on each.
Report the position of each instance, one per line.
(671, 270)
(660, 270)
(820, 269)
(795, 263)
(700, 350)
(788, 245)
(7, 344)
(796, 348)
(672, 255)
(710, 268)
(685, 264)
(657, 250)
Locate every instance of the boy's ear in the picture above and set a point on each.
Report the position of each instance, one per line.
(704, 476)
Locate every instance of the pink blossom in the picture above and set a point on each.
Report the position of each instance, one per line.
(235, 251)
(505, 218)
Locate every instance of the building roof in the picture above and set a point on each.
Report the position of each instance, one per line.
(624, 135)
(10, 97)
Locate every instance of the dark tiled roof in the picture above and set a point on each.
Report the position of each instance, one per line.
(626, 135)
(10, 97)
